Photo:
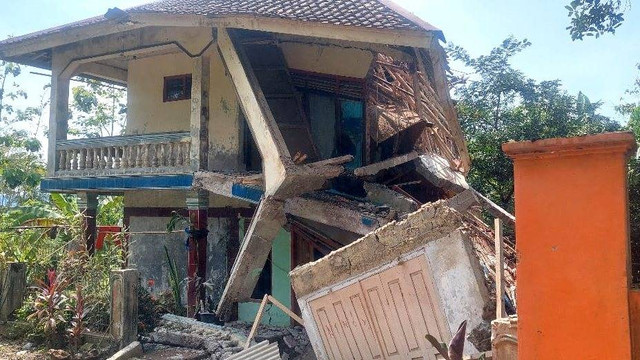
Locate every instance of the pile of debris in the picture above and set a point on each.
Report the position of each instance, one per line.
(181, 338)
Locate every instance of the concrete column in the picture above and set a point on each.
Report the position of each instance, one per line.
(13, 285)
(197, 204)
(573, 247)
(199, 115)
(88, 205)
(124, 306)
(58, 117)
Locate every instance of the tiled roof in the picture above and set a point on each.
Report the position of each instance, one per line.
(377, 14)
(363, 13)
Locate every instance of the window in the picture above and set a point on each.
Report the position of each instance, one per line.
(177, 88)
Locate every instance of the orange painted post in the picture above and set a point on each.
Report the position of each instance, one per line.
(572, 243)
(634, 311)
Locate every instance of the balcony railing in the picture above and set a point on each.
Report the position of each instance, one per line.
(124, 155)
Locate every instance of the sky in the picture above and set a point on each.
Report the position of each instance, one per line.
(601, 68)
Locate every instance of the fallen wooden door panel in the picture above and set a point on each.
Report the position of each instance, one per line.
(382, 316)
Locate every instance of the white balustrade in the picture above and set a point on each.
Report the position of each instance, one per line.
(132, 154)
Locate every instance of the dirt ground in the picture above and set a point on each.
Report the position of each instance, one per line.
(10, 350)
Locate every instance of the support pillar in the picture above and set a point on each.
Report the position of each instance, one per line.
(573, 247)
(124, 306)
(88, 205)
(197, 204)
(58, 117)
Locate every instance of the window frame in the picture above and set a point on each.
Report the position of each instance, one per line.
(184, 78)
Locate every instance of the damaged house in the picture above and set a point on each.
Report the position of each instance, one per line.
(284, 130)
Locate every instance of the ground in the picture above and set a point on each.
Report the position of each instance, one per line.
(10, 350)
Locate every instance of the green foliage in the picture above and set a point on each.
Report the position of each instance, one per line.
(100, 110)
(21, 167)
(595, 17)
(110, 210)
(499, 103)
(174, 283)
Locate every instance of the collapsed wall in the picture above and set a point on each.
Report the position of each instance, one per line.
(381, 295)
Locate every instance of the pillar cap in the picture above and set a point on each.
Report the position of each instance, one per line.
(621, 142)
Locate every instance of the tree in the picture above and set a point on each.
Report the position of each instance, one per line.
(21, 167)
(595, 17)
(498, 103)
(100, 109)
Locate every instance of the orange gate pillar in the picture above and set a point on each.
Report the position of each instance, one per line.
(572, 242)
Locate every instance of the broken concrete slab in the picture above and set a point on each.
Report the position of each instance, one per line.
(382, 195)
(175, 338)
(347, 218)
(183, 338)
(437, 170)
(133, 350)
(386, 244)
(254, 251)
(176, 353)
(422, 265)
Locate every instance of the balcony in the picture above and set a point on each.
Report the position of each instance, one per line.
(163, 153)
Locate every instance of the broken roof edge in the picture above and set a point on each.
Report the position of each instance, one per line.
(391, 4)
(431, 222)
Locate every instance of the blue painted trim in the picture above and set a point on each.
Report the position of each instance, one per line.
(248, 193)
(183, 181)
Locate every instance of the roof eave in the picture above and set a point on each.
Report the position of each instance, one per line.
(16, 48)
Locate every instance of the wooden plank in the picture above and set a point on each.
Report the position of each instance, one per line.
(256, 322)
(500, 306)
(494, 209)
(373, 169)
(286, 310)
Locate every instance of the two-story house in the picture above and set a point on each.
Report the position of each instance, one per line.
(283, 129)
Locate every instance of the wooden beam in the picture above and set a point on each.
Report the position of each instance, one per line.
(256, 322)
(495, 210)
(286, 310)
(437, 56)
(500, 306)
(373, 169)
(265, 131)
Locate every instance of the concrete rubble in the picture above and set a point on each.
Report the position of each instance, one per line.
(182, 338)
